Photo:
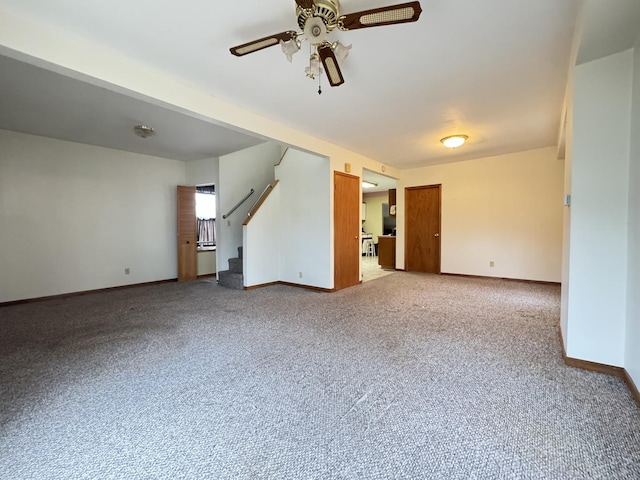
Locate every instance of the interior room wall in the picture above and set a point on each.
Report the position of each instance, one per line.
(306, 236)
(373, 223)
(203, 172)
(566, 218)
(261, 239)
(599, 210)
(75, 216)
(251, 168)
(632, 358)
(206, 262)
(506, 209)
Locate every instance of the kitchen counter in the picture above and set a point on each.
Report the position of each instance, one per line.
(387, 252)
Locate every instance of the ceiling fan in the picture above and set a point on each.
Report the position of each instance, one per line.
(317, 19)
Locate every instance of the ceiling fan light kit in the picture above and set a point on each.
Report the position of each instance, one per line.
(313, 70)
(317, 19)
(341, 51)
(290, 47)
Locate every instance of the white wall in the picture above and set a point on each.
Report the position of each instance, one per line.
(306, 234)
(632, 359)
(289, 238)
(239, 173)
(599, 210)
(73, 217)
(261, 239)
(506, 209)
(203, 172)
(374, 202)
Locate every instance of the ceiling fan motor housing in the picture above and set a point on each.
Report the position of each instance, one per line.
(327, 10)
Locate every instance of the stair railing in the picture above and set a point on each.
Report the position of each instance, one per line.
(238, 204)
(251, 212)
(286, 150)
(258, 203)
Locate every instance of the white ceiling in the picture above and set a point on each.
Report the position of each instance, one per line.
(383, 183)
(41, 102)
(495, 70)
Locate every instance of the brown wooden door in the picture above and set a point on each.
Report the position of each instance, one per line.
(187, 234)
(346, 218)
(422, 229)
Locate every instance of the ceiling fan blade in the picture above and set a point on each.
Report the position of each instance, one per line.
(377, 17)
(331, 66)
(261, 43)
(305, 4)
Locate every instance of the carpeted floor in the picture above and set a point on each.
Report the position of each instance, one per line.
(408, 376)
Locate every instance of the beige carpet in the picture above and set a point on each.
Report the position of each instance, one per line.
(407, 376)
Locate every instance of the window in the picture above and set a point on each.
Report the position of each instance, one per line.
(206, 215)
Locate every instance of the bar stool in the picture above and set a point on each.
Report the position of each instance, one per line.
(369, 248)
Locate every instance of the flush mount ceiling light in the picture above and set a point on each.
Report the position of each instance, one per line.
(143, 131)
(454, 141)
(367, 184)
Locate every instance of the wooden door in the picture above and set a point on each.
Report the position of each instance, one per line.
(187, 234)
(346, 218)
(422, 229)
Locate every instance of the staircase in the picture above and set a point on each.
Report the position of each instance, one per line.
(233, 278)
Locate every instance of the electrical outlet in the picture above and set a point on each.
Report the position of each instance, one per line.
(127, 271)
(492, 264)
(228, 223)
(300, 274)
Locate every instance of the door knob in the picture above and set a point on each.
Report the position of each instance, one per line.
(436, 235)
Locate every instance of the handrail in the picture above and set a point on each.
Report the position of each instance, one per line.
(256, 206)
(238, 204)
(286, 150)
(250, 213)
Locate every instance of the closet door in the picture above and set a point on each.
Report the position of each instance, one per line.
(187, 234)
(422, 228)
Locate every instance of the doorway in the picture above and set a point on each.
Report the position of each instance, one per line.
(196, 232)
(377, 221)
(206, 224)
(422, 228)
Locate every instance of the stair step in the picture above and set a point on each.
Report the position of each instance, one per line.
(240, 252)
(230, 279)
(235, 265)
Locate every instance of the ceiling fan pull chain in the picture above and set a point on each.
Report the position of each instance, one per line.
(319, 86)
